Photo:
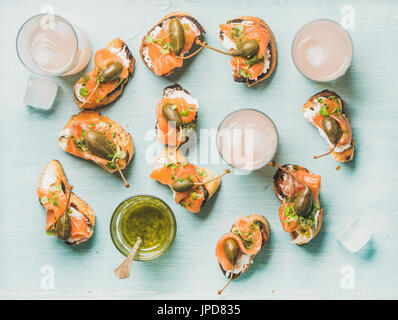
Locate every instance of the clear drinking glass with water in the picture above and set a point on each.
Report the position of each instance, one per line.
(47, 44)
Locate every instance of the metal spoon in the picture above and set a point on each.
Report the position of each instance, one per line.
(123, 271)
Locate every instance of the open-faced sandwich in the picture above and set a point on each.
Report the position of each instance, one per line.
(70, 218)
(252, 46)
(192, 186)
(91, 136)
(176, 115)
(165, 46)
(325, 111)
(236, 249)
(113, 66)
(300, 212)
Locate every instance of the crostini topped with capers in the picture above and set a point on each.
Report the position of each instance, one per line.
(325, 111)
(236, 249)
(177, 114)
(300, 212)
(68, 217)
(113, 66)
(165, 46)
(94, 137)
(192, 186)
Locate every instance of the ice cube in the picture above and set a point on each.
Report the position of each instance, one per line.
(40, 93)
(354, 236)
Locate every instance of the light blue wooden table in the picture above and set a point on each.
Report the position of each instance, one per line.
(364, 188)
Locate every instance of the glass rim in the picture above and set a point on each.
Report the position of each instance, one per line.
(172, 234)
(63, 71)
(262, 114)
(345, 32)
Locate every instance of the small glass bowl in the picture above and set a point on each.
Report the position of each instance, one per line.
(123, 246)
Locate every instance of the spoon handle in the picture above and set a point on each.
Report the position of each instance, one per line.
(123, 271)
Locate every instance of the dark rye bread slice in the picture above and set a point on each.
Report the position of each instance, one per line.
(271, 46)
(169, 91)
(115, 94)
(265, 232)
(278, 179)
(177, 14)
(348, 154)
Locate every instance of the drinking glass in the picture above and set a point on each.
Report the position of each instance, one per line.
(48, 44)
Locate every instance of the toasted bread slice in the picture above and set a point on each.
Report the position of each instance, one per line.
(52, 176)
(271, 46)
(85, 119)
(170, 91)
(179, 15)
(265, 233)
(341, 156)
(120, 48)
(171, 155)
(278, 180)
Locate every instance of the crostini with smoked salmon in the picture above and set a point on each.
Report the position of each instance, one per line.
(325, 111)
(113, 67)
(252, 45)
(94, 137)
(236, 249)
(192, 186)
(300, 212)
(68, 217)
(171, 41)
(177, 115)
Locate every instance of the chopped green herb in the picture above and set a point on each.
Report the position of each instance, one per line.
(184, 113)
(86, 77)
(83, 91)
(324, 111)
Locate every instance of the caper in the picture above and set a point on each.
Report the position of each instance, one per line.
(111, 72)
(247, 49)
(231, 249)
(99, 145)
(171, 115)
(182, 185)
(64, 227)
(303, 203)
(176, 35)
(332, 129)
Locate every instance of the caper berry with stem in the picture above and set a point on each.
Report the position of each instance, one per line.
(176, 35)
(181, 185)
(231, 250)
(111, 72)
(64, 227)
(247, 49)
(333, 131)
(172, 116)
(99, 145)
(303, 203)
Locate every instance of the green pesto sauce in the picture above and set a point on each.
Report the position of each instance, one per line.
(146, 221)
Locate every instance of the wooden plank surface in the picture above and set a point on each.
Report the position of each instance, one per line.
(364, 188)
